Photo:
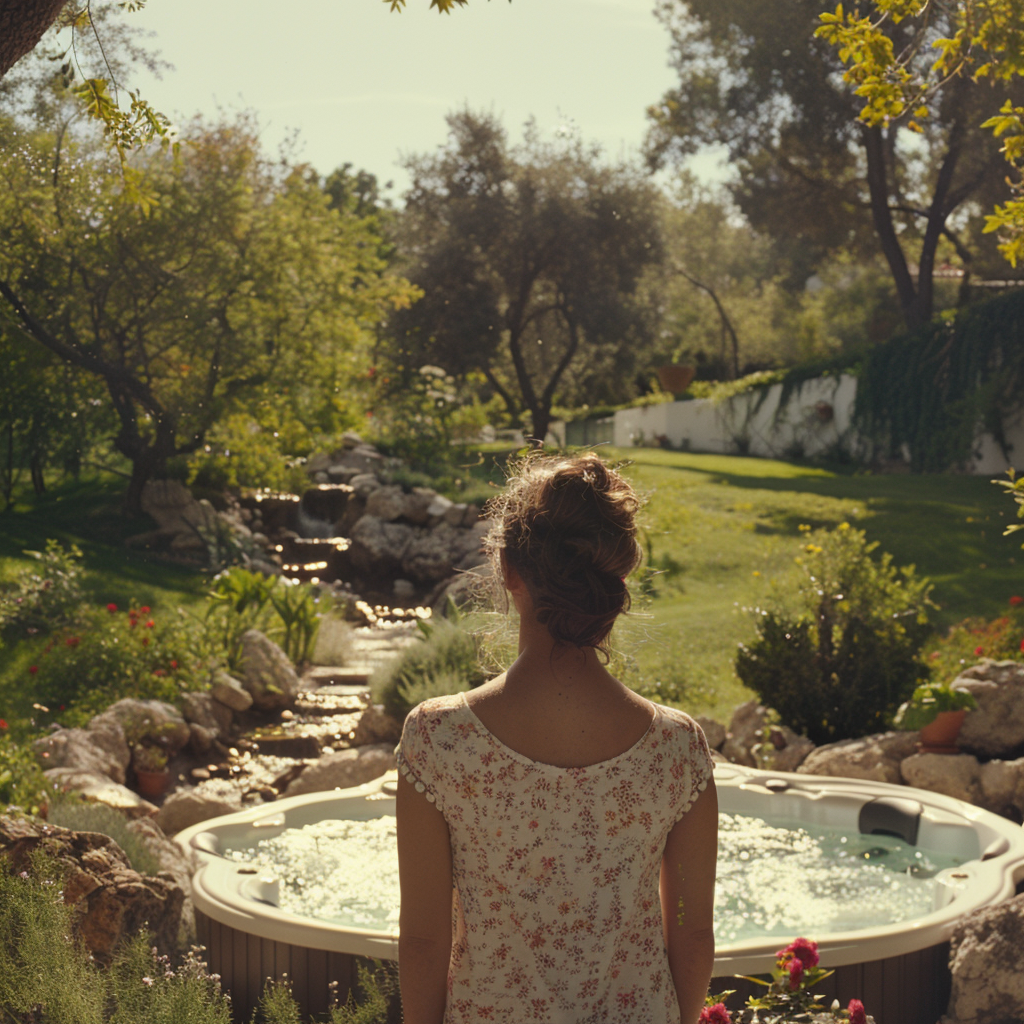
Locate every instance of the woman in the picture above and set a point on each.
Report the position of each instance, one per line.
(557, 833)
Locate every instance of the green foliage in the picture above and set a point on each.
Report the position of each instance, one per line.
(72, 812)
(839, 665)
(276, 1005)
(48, 594)
(931, 390)
(22, 783)
(110, 653)
(377, 987)
(443, 660)
(970, 640)
(241, 600)
(928, 701)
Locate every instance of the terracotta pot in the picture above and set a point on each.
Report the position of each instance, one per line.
(152, 784)
(676, 379)
(939, 737)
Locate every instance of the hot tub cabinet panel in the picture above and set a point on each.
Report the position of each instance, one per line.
(899, 971)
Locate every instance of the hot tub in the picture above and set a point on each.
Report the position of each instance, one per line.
(898, 970)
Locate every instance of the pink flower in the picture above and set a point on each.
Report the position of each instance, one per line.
(979, 649)
(1016, 600)
(716, 1014)
(856, 1012)
(796, 973)
(111, 608)
(803, 949)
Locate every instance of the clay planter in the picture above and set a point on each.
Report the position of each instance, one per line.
(676, 379)
(939, 737)
(152, 784)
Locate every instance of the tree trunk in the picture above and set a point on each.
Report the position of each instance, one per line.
(22, 24)
(36, 470)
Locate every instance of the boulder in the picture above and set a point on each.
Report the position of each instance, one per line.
(364, 484)
(142, 718)
(230, 692)
(112, 901)
(99, 789)
(746, 729)
(404, 591)
(986, 958)
(439, 508)
(202, 709)
(201, 740)
(1001, 788)
(75, 749)
(375, 725)
(387, 503)
(417, 505)
(362, 458)
(996, 727)
(955, 775)
(378, 547)
(173, 860)
(108, 735)
(192, 804)
(454, 514)
(267, 673)
(431, 554)
(874, 757)
(714, 732)
(350, 439)
(471, 515)
(170, 504)
(345, 769)
(319, 462)
(784, 750)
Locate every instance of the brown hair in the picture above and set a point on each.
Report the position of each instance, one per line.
(567, 525)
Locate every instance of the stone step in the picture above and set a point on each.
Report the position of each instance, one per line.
(336, 675)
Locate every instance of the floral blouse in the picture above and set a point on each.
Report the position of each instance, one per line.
(556, 915)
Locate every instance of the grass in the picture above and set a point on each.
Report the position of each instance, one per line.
(725, 531)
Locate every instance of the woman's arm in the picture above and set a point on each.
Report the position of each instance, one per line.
(687, 901)
(425, 919)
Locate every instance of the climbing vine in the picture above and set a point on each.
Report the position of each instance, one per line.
(935, 389)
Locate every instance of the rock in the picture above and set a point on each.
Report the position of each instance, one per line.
(340, 474)
(375, 725)
(387, 503)
(167, 502)
(362, 457)
(99, 789)
(432, 554)
(112, 901)
(172, 860)
(345, 769)
(201, 709)
(76, 749)
(267, 673)
(321, 477)
(996, 727)
(785, 750)
(439, 509)
(378, 547)
(986, 957)
(404, 591)
(745, 729)
(417, 505)
(202, 739)
(875, 757)
(470, 586)
(230, 692)
(714, 732)
(1001, 786)
(190, 805)
(471, 515)
(142, 718)
(454, 515)
(318, 463)
(350, 439)
(955, 775)
(364, 484)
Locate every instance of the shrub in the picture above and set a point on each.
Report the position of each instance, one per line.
(74, 813)
(46, 595)
(840, 664)
(22, 782)
(443, 660)
(1001, 639)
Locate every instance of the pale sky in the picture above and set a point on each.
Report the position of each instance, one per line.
(363, 85)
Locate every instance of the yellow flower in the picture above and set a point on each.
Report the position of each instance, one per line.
(756, 573)
(844, 526)
(804, 528)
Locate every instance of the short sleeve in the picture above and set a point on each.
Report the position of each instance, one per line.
(416, 756)
(702, 763)
(694, 764)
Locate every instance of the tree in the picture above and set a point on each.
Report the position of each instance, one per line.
(529, 259)
(237, 274)
(755, 77)
(976, 41)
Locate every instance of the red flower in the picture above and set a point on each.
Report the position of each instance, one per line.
(145, 641)
(111, 608)
(174, 664)
(159, 672)
(3, 724)
(979, 650)
(856, 1012)
(144, 610)
(1022, 645)
(150, 624)
(1016, 600)
(716, 1014)
(796, 973)
(803, 949)
(73, 641)
(33, 669)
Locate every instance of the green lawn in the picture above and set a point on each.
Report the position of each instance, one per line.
(727, 529)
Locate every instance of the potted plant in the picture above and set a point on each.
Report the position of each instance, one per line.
(151, 773)
(937, 710)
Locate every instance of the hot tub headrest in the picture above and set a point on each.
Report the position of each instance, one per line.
(891, 816)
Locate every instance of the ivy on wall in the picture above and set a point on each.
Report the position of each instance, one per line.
(935, 389)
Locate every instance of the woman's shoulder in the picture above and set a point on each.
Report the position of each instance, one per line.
(673, 719)
(435, 712)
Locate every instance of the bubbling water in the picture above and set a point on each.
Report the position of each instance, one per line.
(779, 879)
